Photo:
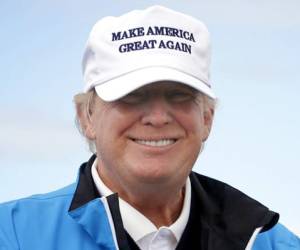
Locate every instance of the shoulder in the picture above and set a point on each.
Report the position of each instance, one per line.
(17, 215)
(277, 238)
(40, 203)
(60, 194)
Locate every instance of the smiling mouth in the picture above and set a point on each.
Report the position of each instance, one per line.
(156, 143)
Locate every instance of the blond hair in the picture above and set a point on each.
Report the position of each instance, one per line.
(84, 103)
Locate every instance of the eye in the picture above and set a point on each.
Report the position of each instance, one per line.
(178, 96)
(135, 97)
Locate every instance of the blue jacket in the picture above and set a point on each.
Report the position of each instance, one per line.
(76, 218)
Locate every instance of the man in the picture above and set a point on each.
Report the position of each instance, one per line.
(147, 110)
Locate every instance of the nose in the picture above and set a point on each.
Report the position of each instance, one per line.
(157, 112)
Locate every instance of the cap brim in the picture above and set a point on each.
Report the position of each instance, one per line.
(118, 87)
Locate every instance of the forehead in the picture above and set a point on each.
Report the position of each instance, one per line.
(166, 86)
(160, 87)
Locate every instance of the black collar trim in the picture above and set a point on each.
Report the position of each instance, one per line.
(86, 189)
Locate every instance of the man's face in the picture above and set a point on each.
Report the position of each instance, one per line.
(153, 135)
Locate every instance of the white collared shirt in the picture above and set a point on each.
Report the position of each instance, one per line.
(140, 228)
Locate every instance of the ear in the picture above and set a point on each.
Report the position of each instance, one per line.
(208, 116)
(85, 122)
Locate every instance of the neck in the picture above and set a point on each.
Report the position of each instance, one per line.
(162, 210)
(161, 203)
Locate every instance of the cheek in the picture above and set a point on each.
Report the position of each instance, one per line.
(113, 123)
(192, 120)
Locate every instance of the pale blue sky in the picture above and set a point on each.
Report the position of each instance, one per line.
(254, 144)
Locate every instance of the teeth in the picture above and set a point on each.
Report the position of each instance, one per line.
(158, 143)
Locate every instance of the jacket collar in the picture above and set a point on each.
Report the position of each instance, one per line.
(99, 216)
(226, 216)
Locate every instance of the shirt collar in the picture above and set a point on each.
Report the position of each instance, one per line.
(132, 217)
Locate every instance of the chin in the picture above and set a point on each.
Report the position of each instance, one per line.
(149, 174)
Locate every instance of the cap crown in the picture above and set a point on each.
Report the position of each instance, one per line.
(145, 38)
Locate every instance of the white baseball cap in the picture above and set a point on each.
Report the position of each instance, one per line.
(145, 46)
